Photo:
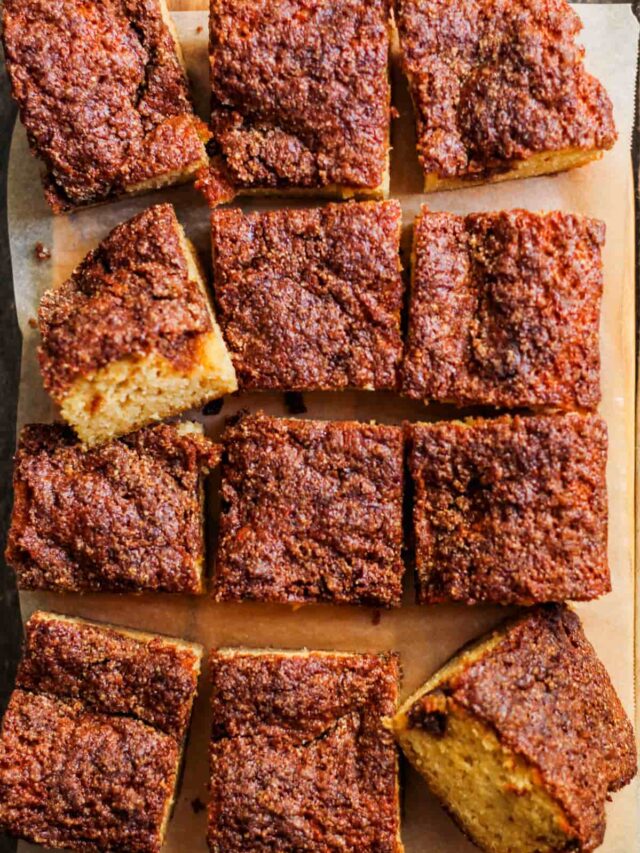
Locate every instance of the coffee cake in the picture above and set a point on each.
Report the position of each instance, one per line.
(311, 511)
(512, 510)
(311, 299)
(299, 757)
(505, 310)
(92, 738)
(522, 736)
(499, 90)
(124, 517)
(301, 100)
(131, 337)
(103, 95)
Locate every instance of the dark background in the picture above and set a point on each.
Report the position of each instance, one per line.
(10, 346)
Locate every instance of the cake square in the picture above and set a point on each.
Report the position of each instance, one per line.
(512, 510)
(92, 738)
(505, 310)
(499, 90)
(311, 511)
(131, 337)
(301, 100)
(299, 757)
(103, 95)
(522, 736)
(311, 299)
(127, 516)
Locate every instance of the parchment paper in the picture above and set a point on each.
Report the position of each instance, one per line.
(424, 636)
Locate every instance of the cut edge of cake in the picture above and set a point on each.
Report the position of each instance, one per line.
(542, 163)
(503, 780)
(138, 391)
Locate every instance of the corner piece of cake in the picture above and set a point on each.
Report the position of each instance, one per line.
(311, 299)
(505, 310)
(131, 337)
(300, 759)
(127, 516)
(522, 737)
(511, 510)
(103, 95)
(500, 90)
(92, 738)
(311, 511)
(301, 100)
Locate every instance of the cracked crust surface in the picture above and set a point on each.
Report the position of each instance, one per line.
(92, 737)
(311, 299)
(497, 82)
(126, 516)
(83, 781)
(311, 511)
(505, 310)
(103, 96)
(540, 683)
(299, 757)
(131, 295)
(152, 679)
(512, 510)
(300, 92)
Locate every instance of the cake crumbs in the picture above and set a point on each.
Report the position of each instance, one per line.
(42, 252)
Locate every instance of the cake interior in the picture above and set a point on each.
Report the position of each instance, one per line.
(543, 163)
(133, 392)
(495, 795)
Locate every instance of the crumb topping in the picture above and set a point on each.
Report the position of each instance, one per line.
(505, 310)
(311, 511)
(495, 81)
(125, 516)
(129, 296)
(310, 299)
(549, 698)
(102, 94)
(512, 510)
(299, 757)
(300, 91)
(110, 672)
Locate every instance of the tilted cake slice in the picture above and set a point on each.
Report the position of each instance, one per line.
(522, 737)
(92, 739)
(103, 95)
(499, 90)
(131, 337)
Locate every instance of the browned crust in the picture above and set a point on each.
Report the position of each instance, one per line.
(312, 511)
(110, 672)
(83, 781)
(548, 697)
(126, 516)
(512, 510)
(310, 299)
(299, 758)
(130, 296)
(102, 94)
(495, 83)
(505, 310)
(319, 116)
